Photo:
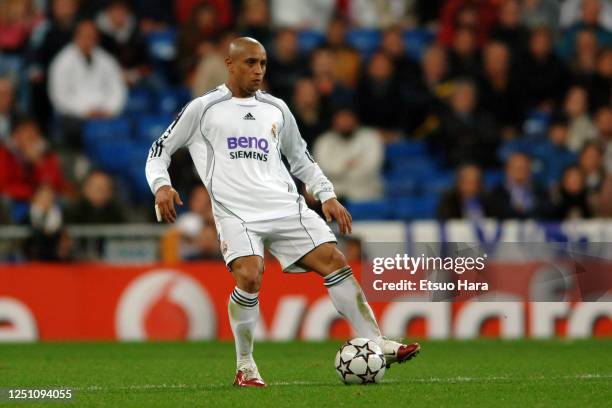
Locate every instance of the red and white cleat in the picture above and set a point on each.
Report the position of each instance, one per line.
(248, 377)
(399, 353)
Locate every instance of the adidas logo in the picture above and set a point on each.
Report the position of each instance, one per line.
(248, 116)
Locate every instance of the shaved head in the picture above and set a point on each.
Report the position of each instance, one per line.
(246, 64)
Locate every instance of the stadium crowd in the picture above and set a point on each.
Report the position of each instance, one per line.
(413, 108)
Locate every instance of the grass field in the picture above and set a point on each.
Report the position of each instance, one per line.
(473, 373)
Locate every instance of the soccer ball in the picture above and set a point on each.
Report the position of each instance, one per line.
(360, 361)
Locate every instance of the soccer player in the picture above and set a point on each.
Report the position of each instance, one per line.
(236, 135)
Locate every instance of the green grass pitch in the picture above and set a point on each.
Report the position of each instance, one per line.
(487, 373)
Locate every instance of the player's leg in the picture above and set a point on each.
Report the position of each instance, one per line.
(349, 300)
(243, 311)
(242, 249)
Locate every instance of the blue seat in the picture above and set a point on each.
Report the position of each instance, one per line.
(416, 42)
(370, 210)
(401, 186)
(162, 44)
(364, 40)
(99, 132)
(151, 127)
(405, 149)
(308, 40)
(438, 182)
(493, 178)
(171, 100)
(416, 208)
(421, 167)
(114, 156)
(138, 102)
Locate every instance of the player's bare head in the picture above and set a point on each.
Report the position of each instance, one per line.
(246, 63)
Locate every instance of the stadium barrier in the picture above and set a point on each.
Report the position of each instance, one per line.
(188, 301)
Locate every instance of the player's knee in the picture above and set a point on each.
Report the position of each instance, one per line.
(336, 261)
(248, 275)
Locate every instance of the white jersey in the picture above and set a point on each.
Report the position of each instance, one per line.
(236, 146)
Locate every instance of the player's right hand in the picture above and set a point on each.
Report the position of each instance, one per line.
(165, 198)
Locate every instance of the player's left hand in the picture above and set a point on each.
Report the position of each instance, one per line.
(333, 210)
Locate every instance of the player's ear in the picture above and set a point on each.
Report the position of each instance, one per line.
(229, 64)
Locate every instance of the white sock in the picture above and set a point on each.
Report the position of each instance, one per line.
(350, 302)
(243, 310)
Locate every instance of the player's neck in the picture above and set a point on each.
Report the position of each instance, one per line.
(237, 92)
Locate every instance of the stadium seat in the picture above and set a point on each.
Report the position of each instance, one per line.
(114, 156)
(416, 42)
(150, 127)
(365, 41)
(369, 210)
(421, 167)
(162, 44)
(139, 102)
(308, 40)
(415, 208)
(493, 178)
(438, 182)
(171, 100)
(401, 186)
(98, 132)
(406, 148)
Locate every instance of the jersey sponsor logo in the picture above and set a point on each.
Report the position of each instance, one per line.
(234, 144)
(248, 116)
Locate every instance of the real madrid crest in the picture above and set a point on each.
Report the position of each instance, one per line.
(275, 131)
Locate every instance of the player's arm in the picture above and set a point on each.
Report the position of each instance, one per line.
(306, 169)
(179, 134)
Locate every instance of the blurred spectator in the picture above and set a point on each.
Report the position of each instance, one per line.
(211, 70)
(311, 118)
(509, 30)
(581, 127)
(194, 236)
(96, 204)
(187, 8)
(47, 40)
(194, 36)
(467, 198)
(603, 121)
(352, 157)
(543, 76)
(590, 12)
(591, 164)
(8, 114)
(519, 196)
(554, 155)
(541, 13)
(299, 14)
(285, 63)
(573, 11)
(479, 15)
(499, 91)
(584, 63)
(571, 201)
(154, 14)
(254, 21)
(463, 56)
(600, 93)
(18, 18)
(423, 97)
(120, 37)
(333, 93)
(405, 69)
(465, 134)
(381, 14)
(379, 102)
(27, 162)
(48, 240)
(84, 80)
(346, 59)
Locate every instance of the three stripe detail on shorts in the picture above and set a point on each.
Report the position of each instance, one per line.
(338, 276)
(243, 300)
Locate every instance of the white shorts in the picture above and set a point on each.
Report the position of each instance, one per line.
(288, 238)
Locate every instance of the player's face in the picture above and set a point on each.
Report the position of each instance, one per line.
(249, 68)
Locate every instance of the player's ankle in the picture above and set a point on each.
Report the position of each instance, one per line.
(245, 362)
